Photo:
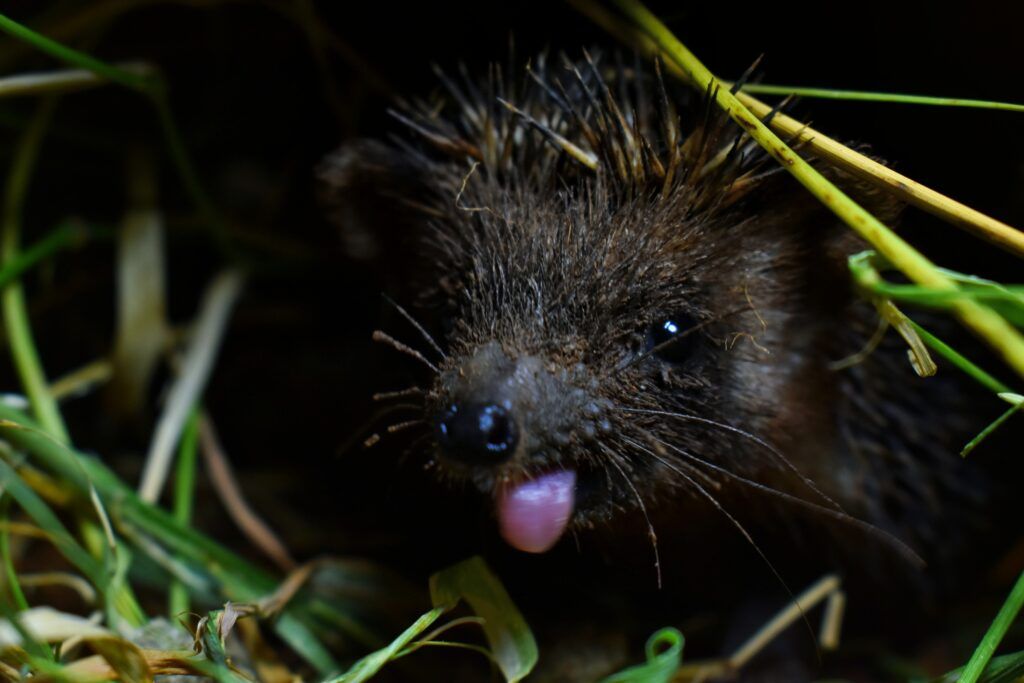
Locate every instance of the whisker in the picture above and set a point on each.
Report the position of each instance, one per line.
(384, 338)
(747, 435)
(643, 509)
(739, 527)
(370, 441)
(400, 393)
(675, 466)
(415, 323)
(881, 534)
(400, 426)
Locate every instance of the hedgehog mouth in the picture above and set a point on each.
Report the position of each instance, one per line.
(534, 513)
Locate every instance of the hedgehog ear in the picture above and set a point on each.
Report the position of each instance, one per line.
(368, 190)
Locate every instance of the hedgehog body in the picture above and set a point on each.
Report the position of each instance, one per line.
(635, 312)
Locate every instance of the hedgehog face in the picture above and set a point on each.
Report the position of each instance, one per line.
(625, 298)
(582, 378)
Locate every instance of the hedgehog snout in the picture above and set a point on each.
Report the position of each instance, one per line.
(478, 433)
(491, 408)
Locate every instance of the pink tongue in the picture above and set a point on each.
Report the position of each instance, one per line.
(534, 513)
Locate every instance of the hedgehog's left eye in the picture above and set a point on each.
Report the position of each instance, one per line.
(672, 338)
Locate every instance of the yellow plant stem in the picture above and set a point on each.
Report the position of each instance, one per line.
(986, 323)
(910, 191)
(925, 198)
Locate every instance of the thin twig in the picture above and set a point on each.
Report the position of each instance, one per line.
(223, 479)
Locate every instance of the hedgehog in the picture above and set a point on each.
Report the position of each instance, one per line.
(624, 307)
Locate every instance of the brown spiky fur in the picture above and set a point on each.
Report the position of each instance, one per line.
(554, 214)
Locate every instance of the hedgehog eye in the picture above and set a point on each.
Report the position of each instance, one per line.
(672, 338)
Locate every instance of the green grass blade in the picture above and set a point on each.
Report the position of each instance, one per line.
(986, 323)
(45, 519)
(664, 655)
(959, 360)
(184, 492)
(369, 665)
(510, 639)
(236, 579)
(1000, 625)
(149, 84)
(68, 55)
(13, 584)
(866, 96)
(64, 236)
(864, 267)
(12, 299)
(984, 434)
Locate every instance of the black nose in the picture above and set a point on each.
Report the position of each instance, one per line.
(477, 433)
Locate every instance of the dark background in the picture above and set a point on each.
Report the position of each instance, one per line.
(260, 101)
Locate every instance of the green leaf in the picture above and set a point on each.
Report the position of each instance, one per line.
(979, 663)
(369, 665)
(1004, 669)
(509, 636)
(664, 655)
(45, 519)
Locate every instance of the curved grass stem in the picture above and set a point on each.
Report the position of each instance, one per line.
(12, 299)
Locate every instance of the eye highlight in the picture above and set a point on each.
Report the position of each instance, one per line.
(672, 338)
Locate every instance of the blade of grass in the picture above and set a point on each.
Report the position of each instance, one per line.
(959, 360)
(12, 299)
(860, 165)
(508, 635)
(981, 320)
(664, 652)
(153, 86)
(1000, 625)
(1008, 300)
(369, 665)
(238, 580)
(866, 96)
(45, 519)
(210, 327)
(128, 79)
(184, 491)
(13, 584)
(65, 80)
(66, 235)
(864, 270)
(987, 431)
